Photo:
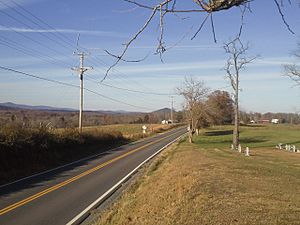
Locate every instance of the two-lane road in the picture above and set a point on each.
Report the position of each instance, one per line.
(58, 196)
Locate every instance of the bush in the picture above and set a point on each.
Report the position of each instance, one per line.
(24, 151)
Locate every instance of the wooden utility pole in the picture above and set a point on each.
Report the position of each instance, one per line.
(81, 71)
(172, 105)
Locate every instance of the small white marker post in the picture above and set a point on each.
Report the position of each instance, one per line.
(144, 130)
(232, 148)
(240, 148)
(247, 151)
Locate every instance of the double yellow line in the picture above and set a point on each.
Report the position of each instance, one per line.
(64, 183)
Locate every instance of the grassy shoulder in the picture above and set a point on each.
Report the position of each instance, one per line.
(25, 151)
(206, 183)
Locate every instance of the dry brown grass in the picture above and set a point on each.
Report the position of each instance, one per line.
(132, 131)
(193, 185)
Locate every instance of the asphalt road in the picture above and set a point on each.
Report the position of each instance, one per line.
(58, 196)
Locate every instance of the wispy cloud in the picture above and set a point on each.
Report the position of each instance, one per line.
(274, 61)
(66, 31)
(167, 67)
(216, 65)
(8, 3)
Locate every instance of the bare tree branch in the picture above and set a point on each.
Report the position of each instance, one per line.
(293, 72)
(282, 17)
(213, 27)
(131, 40)
(200, 28)
(169, 6)
(161, 48)
(172, 10)
(126, 60)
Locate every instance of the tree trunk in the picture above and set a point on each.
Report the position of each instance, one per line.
(236, 130)
(190, 136)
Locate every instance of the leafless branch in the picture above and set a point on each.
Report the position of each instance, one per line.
(201, 26)
(243, 11)
(161, 48)
(293, 72)
(237, 60)
(282, 17)
(126, 60)
(213, 27)
(169, 6)
(172, 10)
(131, 40)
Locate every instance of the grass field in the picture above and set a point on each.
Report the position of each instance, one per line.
(131, 130)
(206, 183)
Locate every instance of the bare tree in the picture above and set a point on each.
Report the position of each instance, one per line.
(165, 7)
(293, 70)
(236, 62)
(202, 116)
(194, 92)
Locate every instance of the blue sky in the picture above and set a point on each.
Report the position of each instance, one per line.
(30, 46)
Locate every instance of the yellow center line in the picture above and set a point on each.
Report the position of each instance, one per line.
(64, 183)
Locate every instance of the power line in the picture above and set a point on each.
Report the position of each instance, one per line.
(37, 42)
(30, 20)
(29, 38)
(57, 35)
(126, 89)
(70, 85)
(49, 26)
(46, 24)
(38, 77)
(30, 52)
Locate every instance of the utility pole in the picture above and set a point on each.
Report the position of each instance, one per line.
(81, 70)
(172, 103)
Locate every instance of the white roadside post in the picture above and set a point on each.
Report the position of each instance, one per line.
(247, 151)
(144, 128)
(240, 148)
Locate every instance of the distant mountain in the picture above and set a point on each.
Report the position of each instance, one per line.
(163, 110)
(10, 105)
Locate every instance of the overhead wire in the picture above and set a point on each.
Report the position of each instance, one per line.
(57, 35)
(28, 26)
(31, 52)
(69, 85)
(126, 89)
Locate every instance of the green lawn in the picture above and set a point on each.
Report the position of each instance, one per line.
(256, 136)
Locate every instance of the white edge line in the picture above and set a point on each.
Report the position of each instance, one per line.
(80, 160)
(113, 188)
